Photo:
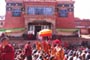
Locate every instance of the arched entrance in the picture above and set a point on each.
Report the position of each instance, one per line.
(35, 26)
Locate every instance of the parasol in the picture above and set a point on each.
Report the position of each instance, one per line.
(45, 32)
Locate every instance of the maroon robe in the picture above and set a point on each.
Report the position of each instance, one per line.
(27, 50)
(7, 53)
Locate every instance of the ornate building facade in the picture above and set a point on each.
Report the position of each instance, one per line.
(33, 15)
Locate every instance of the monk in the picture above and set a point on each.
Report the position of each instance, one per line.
(59, 52)
(45, 47)
(6, 49)
(28, 51)
(53, 53)
(38, 46)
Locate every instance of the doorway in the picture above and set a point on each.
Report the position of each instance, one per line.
(37, 29)
(35, 26)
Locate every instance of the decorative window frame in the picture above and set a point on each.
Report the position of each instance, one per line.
(63, 13)
(14, 11)
(8, 9)
(71, 10)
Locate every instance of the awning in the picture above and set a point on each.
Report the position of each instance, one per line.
(12, 30)
(66, 30)
(2, 30)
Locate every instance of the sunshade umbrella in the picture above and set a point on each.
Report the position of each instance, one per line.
(45, 32)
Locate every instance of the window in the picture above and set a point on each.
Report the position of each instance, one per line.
(31, 10)
(14, 4)
(60, 5)
(22, 9)
(1, 24)
(16, 12)
(71, 5)
(2, 17)
(70, 9)
(66, 5)
(8, 4)
(19, 4)
(40, 10)
(11, 4)
(8, 8)
(48, 11)
(63, 13)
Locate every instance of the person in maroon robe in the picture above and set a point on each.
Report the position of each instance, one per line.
(28, 51)
(6, 49)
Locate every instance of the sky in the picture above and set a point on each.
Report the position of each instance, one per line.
(81, 10)
(2, 7)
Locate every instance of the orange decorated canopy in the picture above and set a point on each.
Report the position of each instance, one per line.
(45, 32)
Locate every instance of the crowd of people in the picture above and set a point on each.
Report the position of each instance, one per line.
(50, 51)
(42, 50)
